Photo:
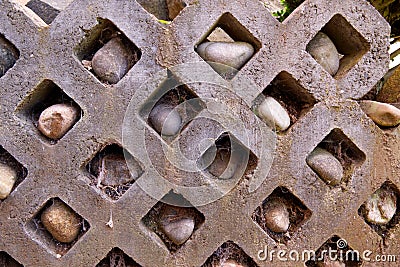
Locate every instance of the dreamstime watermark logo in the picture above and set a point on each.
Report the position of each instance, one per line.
(341, 253)
(179, 162)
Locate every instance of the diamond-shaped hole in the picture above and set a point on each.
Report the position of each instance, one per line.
(335, 158)
(283, 102)
(350, 45)
(170, 108)
(9, 54)
(107, 53)
(335, 252)
(281, 214)
(174, 219)
(44, 10)
(229, 254)
(164, 10)
(116, 257)
(51, 111)
(227, 158)
(7, 261)
(381, 210)
(57, 227)
(113, 170)
(12, 173)
(228, 46)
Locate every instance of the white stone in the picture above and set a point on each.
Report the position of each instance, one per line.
(276, 216)
(272, 112)
(381, 113)
(326, 165)
(8, 176)
(165, 119)
(381, 207)
(179, 230)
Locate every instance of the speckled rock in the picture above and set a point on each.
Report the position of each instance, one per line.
(61, 222)
(165, 119)
(176, 224)
(381, 207)
(8, 56)
(56, 120)
(276, 216)
(231, 55)
(114, 170)
(8, 177)
(381, 113)
(272, 112)
(326, 165)
(324, 51)
(111, 62)
(231, 263)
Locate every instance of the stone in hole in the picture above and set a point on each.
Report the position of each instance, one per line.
(348, 42)
(344, 151)
(281, 211)
(228, 46)
(227, 158)
(12, 173)
(174, 222)
(292, 97)
(110, 172)
(7, 261)
(9, 54)
(381, 210)
(47, 96)
(339, 248)
(171, 107)
(61, 222)
(229, 255)
(45, 11)
(166, 10)
(107, 53)
(117, 258)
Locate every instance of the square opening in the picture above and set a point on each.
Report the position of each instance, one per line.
(107, 53)
(9, 55)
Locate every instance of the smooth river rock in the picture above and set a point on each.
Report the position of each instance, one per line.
(381, 207)
(276, 216)
(8, 177)
(57, 119)
(272, 112)
(176, 225)
(61, 222)
(324, 51)
(382, 114)
(111, 62)
(326, 165)
(165, 119)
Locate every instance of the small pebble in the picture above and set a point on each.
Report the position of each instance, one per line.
(114, 170)
(61, 222)
(8, 176)
(381, 207)
(231, 56)
(231, 263)
(165, 119)
(382, 114)
(326, 165)
(276, 216)
(111, 62)
(272, 112)
(176, 224)
(8, 56)
(324, 51)
(56, 120)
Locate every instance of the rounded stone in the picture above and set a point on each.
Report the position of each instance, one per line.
(272, 112)
(326, 165)
(111, 62)
(56, 120)
(176, 225)
(61, 222)
(324, 51)
(276, 216)
(165, 120)
(231, 263)
(8, 177)
(381, 207)
(115, 171)
(232, 54)
(382, 114)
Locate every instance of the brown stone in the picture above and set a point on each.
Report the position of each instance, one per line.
(381, 113)
(276, 216)
(390, 92)
(115, 171)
